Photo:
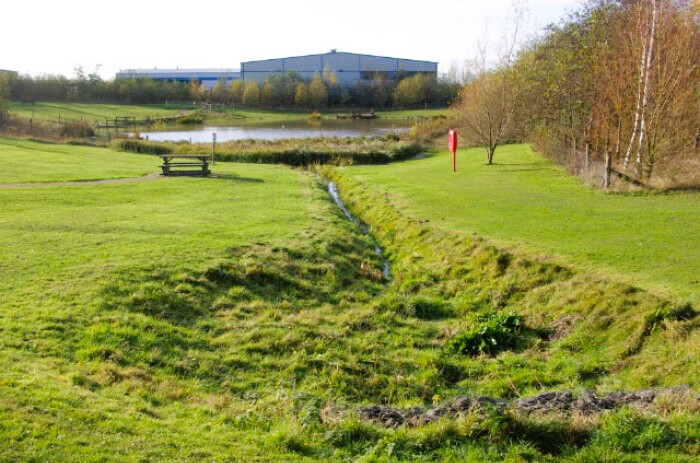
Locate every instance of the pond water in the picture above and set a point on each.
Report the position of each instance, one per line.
(289, 129)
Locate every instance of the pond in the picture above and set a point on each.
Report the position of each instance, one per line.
(288, 129)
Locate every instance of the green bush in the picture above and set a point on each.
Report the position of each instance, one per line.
(305, 152)
(300, 156)
(191, 119)
(489, 334)
(81, 129)
(141, 147)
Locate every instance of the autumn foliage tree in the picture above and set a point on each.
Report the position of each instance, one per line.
(5, 79)
(236, 91)
(616, 82)
(619, 80)
(251, 94)
(486, 105)
(317, 92)
(302, 98)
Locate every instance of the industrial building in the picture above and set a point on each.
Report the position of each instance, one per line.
(349, 69)
(207, 77)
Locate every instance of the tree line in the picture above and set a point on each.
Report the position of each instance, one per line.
(618, 82)
(322, 91)
(5, 78)
(287, 90)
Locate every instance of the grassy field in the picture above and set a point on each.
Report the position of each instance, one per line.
(66, 250)
(29, 162)
(253, 116)
(88, 111)
(243, 318)
(412, 113)
(230, 116)
(526, 202)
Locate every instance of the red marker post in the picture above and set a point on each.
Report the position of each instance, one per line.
(452, 145)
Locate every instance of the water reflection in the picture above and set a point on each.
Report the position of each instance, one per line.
(292, 129)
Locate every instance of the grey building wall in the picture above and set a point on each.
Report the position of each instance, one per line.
(349, 68)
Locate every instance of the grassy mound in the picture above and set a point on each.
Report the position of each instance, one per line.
(648, 240)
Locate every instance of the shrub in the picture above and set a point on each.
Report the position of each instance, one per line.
(81, 129)
(195, 118)
(141, 147)
(392, 136)
(336, 151)
(490, 334)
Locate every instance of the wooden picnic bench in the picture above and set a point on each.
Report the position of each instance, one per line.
(187, 166)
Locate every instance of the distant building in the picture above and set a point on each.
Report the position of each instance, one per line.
(207, 77)
(349, 69)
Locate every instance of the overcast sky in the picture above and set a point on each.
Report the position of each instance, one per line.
(55, 36)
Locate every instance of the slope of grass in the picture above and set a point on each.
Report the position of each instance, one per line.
(243, 318)
(239, 116)
(31, 162)
(97, 112)
(526, 202)
(89, 375)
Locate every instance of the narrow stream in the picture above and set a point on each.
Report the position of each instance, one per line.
(333, 191)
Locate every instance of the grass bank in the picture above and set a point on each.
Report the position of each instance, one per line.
(293, 152)
(94, 112)
(237, 116)
(524, 201)
(25, 161)
(98, 112)
(244, 318)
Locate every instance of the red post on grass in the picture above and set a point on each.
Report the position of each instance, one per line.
(452, 145)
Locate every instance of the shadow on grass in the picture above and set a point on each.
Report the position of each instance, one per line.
(237, 178)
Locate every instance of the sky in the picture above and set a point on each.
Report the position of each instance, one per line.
(54, 37)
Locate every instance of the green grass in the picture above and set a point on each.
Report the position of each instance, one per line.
(412, 113)
(98, 112)
(260, 116)
(66, 252)
(30, 162)
(524, 201)
(243, 318)
(88, 111)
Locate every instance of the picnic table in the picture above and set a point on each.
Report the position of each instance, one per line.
(191, 164)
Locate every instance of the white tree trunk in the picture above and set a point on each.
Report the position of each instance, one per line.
(640, 87)
(645, 93)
